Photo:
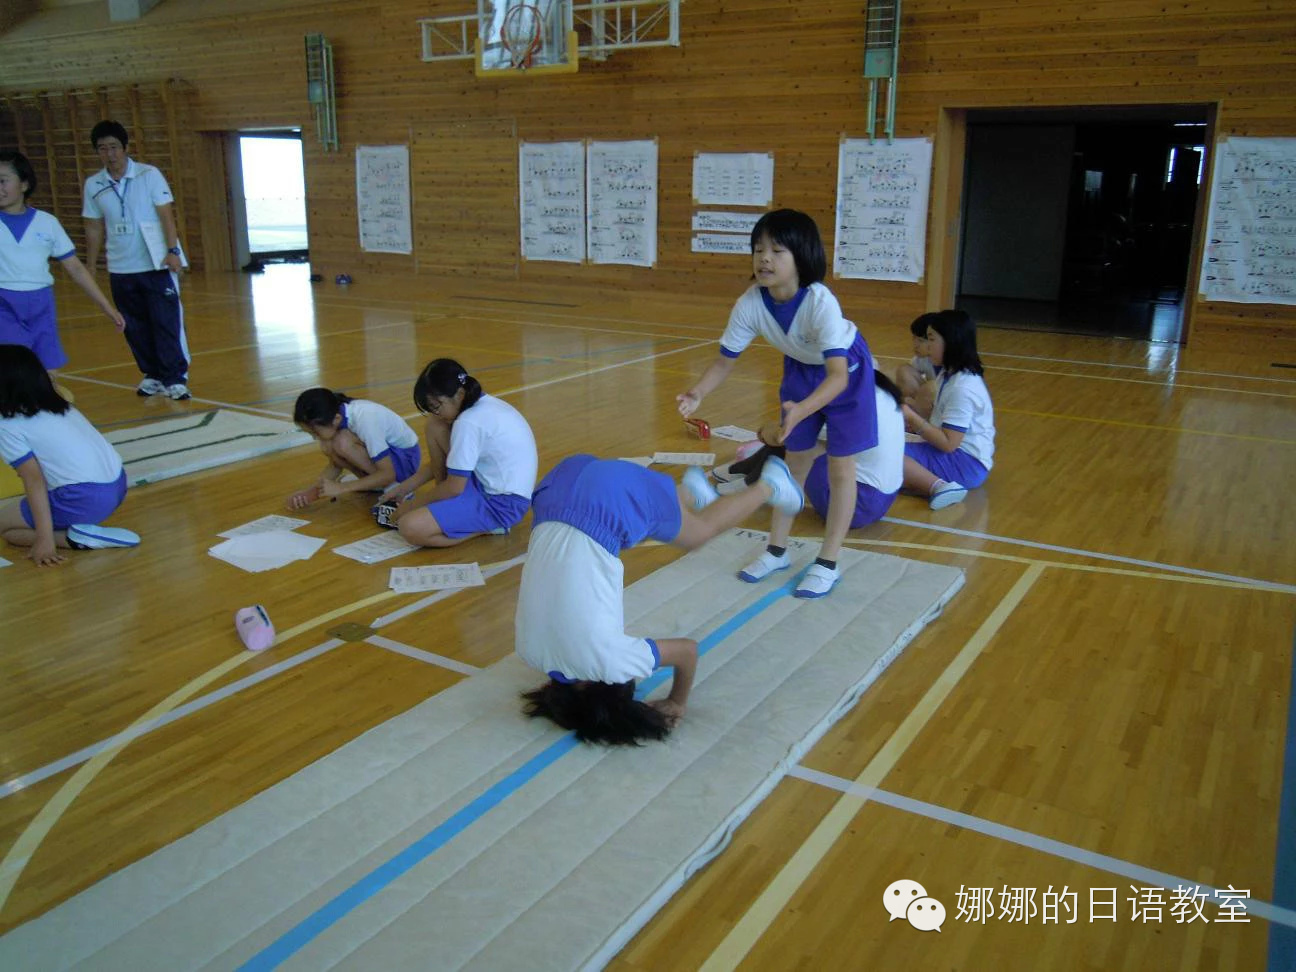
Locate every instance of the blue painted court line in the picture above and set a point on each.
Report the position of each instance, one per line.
(384, 874)
(520, 363)
(1282, 940)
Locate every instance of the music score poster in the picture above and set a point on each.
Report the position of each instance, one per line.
(551, 185)
(622, 202)
(1250, 253)
(882, 190)
(383, 198)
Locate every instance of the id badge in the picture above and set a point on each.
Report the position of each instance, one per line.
(123, 229)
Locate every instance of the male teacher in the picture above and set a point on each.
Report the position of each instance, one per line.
(130, 205)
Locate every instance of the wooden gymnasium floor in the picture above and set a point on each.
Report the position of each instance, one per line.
(1114, 678)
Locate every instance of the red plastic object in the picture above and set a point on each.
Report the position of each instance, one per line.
(697, 427)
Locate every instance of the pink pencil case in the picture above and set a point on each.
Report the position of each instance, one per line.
(254, 627)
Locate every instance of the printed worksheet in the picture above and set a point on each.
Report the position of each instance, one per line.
(264, 525)
(733, 433)
(383, 546)
(436, 577)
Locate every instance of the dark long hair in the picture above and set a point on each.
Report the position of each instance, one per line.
(318, 406)
(23, 167)
(25, 385)
(959, 332)
(798, 233)
(888, 386)
(598, 712)
(441, 379)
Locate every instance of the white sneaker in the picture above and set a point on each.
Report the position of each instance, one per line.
(701, 493)
(763, 566)
(947, 494)
(733, 486)
(721, 474)
(818, 581)
(149, 387)
(94, 536)
(786, 495)
(179, 392)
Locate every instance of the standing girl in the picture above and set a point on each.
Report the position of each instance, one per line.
(570, 621)
(957, 450)
(481, 455)
(357, 436)
(29, 239)
(827, 379)
(72, 477)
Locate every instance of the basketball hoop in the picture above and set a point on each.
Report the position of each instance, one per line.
(522, 34)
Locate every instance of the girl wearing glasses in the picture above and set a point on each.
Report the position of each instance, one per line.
(357, 436)
(481, 460)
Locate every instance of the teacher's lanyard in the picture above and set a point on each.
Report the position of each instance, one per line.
(121, 196)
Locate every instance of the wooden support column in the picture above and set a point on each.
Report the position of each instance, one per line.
(70, 102)
(47, 123)
(137, 121)
(177, 173)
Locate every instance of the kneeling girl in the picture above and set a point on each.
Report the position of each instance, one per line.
(481, 455)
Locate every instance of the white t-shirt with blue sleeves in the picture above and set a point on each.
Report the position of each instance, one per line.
(27, 244)
(68, 448)
(963, 404)
(129, 211)
(492, 440)
(882, 467)
(817, 331)
(377, 426)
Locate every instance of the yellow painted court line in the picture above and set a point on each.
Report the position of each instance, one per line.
(1085, 568)
(766, 908)
(15, 861)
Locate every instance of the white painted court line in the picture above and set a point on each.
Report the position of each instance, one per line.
(1114, 558)
(286, 416)
(587, 373)
(441, 661)
(10, 787)
(1045, 845)
(1171, 370)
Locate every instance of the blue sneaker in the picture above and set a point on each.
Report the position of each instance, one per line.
(763, 566)
(817, 582)
(785, 494)
(94, 536)
(701, 493)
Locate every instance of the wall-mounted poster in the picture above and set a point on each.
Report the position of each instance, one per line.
(551, 185)
(621, 185)
(1250, 253)
(882, 208)
(383, 198)
(733, 179)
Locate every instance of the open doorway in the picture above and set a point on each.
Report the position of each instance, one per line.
(1082, 219)
(273, 187)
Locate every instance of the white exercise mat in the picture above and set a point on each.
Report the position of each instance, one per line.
(463, 835)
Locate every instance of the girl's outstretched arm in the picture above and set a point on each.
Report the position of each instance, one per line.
(384, 474)
(946, 440)
(43, 552)
(711, 379)
(81, 277)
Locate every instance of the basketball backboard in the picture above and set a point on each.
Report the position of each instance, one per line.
(519, 37)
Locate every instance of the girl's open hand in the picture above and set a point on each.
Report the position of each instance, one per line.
(43, 553)
(688, 403)
(673, 711)
(303, 498)
(793, 413)
(330, 488)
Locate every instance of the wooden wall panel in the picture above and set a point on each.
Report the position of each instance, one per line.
(750, 75)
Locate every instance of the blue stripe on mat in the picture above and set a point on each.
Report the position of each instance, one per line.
(384, 874)
(1282, 939)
